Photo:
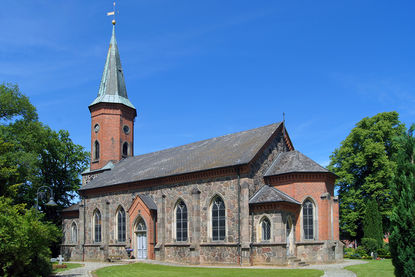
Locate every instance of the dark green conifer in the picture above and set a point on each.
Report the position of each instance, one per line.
(402, 240)
(372, 224)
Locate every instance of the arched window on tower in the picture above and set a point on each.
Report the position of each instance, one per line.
(121, 225)
(308, 219)
(97, 226)
(96, 150)
(218, 219)
(125, 149)
(181, 221)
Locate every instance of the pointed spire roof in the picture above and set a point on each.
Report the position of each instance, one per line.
(112, 88)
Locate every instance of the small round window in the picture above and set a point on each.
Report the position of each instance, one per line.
(126, 129)
(96, 128)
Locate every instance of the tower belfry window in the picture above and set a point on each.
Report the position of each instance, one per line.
(125, 149)
(96, 150)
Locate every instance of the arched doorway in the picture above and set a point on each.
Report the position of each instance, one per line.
(289, 232)
(141, 238)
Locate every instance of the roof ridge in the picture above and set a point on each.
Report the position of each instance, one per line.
(199, 141)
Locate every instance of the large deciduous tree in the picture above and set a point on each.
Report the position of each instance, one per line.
(365, 169)
(33, 155)
(402, 239)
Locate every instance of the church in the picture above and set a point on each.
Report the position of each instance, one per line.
(247, 198)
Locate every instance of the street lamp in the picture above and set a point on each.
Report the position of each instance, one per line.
(51, 202)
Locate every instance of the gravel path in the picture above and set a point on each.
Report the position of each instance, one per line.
(330, 270)
(337, 269)
(84, 271)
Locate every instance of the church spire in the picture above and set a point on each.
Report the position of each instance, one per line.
(112, 88)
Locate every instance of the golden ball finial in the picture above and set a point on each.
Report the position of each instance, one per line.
(113, 22)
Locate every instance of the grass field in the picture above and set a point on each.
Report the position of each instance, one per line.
(382, 268)
(151, 270)
(68, 266)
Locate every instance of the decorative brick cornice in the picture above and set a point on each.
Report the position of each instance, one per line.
(301, 177)
(274, 207)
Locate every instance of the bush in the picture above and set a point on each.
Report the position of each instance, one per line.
(24, 241)
(370, 244)
(361, 251)
(383, 252)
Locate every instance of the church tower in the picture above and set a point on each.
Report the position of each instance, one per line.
(112, 114)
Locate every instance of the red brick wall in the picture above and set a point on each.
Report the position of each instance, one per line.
(111, 119)
(313, 185)
(139, 209)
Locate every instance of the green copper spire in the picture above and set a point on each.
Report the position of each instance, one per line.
(112, 88)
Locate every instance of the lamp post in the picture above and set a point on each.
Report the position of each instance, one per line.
(51, 201)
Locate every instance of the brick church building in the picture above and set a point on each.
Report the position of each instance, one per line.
(246, 198)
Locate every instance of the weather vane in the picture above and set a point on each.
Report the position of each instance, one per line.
(113, 14)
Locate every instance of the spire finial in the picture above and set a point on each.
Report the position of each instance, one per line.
(113, 14)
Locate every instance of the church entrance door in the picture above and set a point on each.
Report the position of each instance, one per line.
(141, 233)
(290, 237)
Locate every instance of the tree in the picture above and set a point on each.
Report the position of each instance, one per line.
(402, 239)
(15, 104)
(25, 241)
(33, 155)
(372, 224)
(365, 170)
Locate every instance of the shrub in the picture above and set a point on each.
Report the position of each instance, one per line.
(361, 251)
(370, 244)
(24, 241)
(383, 252)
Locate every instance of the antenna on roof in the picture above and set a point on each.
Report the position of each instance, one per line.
(283, 132)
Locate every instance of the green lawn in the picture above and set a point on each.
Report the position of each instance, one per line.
(382, 268)
(68, 266)
(152, 270)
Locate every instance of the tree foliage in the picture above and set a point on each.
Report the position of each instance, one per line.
(372, 224)
(24, 241)
(15, 104)
(402, 239)
(365, 170)
(33, 155)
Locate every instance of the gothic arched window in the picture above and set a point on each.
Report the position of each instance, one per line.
(97, 226)
(74, 233)
(125, 149)
(121, 225)
(265, 229)
(308, 219)
(218, 219)
(96, 150)
(181, 221)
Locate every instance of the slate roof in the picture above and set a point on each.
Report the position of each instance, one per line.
(148, 201)
(74, 207)
(268, 194)
(108, 166)
(229, 150)
(112, 87)
(293, 161)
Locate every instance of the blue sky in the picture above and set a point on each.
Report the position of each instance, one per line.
(200, 69)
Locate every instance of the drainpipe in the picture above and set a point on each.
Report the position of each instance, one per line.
(239, 216)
